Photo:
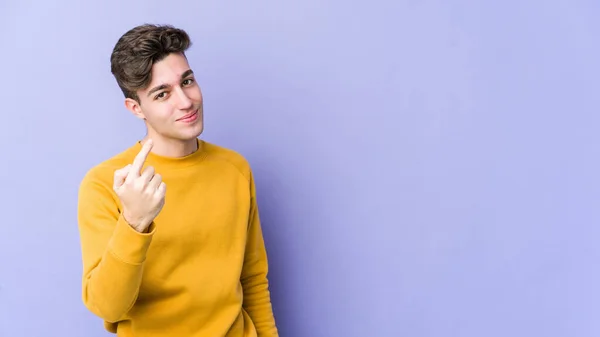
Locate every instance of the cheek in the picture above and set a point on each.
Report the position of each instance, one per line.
(160, 113)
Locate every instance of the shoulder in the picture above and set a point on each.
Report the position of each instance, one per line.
(228, 157)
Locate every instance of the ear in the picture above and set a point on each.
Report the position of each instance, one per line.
(135, 108)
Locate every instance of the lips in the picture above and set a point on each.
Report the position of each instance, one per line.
(189, 117)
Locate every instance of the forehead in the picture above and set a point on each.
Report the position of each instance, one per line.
(169, 70)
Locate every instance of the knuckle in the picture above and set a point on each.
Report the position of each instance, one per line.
(137, 185)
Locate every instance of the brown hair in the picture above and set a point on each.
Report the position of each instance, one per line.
(138, 49)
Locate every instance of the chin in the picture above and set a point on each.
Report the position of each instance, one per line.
(193, 133)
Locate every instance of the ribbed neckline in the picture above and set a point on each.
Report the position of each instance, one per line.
(174, 162)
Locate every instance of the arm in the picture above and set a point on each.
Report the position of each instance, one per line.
(113, 252)
(257, 298)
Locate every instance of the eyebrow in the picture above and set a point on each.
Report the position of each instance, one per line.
(165, 86)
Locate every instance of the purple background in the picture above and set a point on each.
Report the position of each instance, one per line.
(424, 168)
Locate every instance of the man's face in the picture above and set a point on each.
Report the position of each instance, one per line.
(172, 103)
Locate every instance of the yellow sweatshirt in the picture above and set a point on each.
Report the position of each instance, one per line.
(201, 270)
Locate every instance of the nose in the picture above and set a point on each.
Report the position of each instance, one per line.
(183, 101)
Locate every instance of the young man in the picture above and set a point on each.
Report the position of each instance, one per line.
(170, 234)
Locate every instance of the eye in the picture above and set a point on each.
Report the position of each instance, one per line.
(161, 95)
(188, 81)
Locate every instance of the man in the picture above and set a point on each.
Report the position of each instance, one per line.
(170, 234)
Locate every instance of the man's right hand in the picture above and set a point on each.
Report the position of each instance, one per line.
(142, 194)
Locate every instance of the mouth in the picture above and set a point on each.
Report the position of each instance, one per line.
(189, 118)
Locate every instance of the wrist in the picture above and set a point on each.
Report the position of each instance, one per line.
(139, 225)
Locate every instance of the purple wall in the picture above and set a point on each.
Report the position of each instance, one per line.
(425, 168)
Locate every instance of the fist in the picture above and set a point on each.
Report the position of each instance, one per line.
(142, 194)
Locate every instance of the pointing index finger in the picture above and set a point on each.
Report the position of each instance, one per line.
(139, 160)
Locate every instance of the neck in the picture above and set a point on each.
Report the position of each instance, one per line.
(174, 148)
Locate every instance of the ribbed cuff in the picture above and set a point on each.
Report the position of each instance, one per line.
(128, 244)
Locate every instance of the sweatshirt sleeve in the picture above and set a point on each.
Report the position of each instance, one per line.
(113, 253)
(257, 298)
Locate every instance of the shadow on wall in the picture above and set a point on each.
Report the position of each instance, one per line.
(277, 231)
(258, 115)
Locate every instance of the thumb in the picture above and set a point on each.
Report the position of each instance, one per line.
(120, 176)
